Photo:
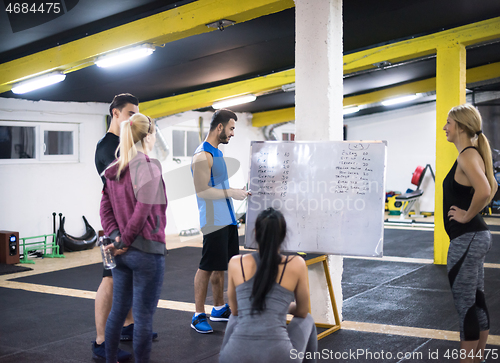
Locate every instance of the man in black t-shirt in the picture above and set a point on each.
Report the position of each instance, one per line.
(123, 106)
(105, 152)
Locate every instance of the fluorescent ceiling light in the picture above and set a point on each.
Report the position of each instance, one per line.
(395, 101)
(234, 101)
(349, 110)
(288, 87)
(38, 82)
(124, 56)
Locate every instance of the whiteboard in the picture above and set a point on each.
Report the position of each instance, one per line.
(332, 194)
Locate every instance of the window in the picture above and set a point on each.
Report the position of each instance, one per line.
(184, 143)
(192, 142)
(59, 142)
(178, 143)
(21, 142)
(17, 142)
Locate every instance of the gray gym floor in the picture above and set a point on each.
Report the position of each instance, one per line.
(401, 304)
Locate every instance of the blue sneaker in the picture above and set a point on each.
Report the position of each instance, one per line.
(128, 333)
(221, 315)
(99, 352)
(200, 324)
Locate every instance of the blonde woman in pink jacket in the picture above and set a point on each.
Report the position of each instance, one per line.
(133, 214)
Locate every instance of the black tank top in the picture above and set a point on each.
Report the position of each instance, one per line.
(455, 194)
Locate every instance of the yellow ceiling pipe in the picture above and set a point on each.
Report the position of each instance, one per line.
(190, 19)
(468, 34)
(158, 29)
(426, 85)
(473, 75)
(260, 119)
(205, 98)
(413, 48)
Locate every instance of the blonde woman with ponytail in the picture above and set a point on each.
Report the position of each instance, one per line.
(467, 189)
(133, 213)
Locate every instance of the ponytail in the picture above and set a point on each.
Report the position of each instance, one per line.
(470, 120)
(484, 149)
(270, 232)
(132, 131)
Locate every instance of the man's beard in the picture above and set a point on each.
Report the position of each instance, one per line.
(223, 139)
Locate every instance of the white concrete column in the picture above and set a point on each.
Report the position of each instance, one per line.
(318, 112)
(318, 69)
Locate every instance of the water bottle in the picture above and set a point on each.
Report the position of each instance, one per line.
(108, 259)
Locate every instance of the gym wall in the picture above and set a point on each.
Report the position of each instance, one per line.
(411, 139)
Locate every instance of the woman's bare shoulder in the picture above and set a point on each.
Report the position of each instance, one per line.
(471, 153)
(470, 157)
(296, 262)
(236, 259)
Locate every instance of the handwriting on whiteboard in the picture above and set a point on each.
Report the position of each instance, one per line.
(331, 193)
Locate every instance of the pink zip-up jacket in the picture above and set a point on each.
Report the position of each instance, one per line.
(134, 207)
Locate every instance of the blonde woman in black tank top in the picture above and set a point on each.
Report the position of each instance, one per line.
(467, 189)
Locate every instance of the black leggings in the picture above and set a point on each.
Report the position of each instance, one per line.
(466, 274)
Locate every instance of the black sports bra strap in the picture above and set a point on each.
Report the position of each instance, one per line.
(242, 271)
(468, 147)
(283, 272)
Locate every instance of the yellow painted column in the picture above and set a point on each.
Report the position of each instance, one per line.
(450, 92)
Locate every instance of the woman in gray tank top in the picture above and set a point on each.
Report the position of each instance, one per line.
(262, 288)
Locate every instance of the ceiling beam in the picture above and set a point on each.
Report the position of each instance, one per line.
(404, 50)
(158, 29)
(473, 75)
(261, 119)
(423, 86)
(470, 34)
(190, 19)
(477, 74)
(205, 98)
(483, 73)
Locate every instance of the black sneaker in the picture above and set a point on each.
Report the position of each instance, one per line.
(128, 333)
(99, 352)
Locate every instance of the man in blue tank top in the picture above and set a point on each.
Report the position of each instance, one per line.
(217, 219)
